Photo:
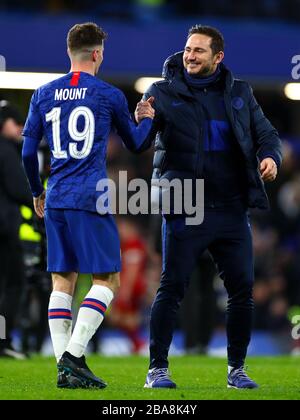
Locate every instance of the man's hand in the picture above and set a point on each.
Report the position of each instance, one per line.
(268, 169)
(144, 110)
(39, 204)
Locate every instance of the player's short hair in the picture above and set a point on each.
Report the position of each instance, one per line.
(217, 39)
(85, 35)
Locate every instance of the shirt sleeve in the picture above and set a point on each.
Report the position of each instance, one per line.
(33, 133)
(31, 165)
(34, 125)
(133, 136)
(265, 135)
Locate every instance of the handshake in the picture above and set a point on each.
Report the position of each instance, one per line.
(144, 110)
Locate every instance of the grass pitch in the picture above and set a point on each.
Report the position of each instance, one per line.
(197, 378)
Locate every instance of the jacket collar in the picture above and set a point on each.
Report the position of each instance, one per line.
(173, 72)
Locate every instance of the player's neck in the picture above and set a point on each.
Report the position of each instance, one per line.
(86, 68)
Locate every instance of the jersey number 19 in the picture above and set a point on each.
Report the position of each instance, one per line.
(87, 134)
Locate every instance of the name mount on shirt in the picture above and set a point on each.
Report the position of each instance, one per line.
(69, 94)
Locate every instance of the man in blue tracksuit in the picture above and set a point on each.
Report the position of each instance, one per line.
(208, 125)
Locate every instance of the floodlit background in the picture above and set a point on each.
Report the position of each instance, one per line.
(262, 46)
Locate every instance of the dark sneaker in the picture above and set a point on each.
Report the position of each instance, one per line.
(159, 378)
(239, 379)
(73, 372)
(68, 381)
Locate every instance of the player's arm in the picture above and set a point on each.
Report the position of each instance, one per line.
(157, 123)
(32, 133)
(267, 141)
(133, 136)
(31, 166)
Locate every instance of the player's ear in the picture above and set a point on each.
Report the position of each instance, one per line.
(219, 57)
(94, 55)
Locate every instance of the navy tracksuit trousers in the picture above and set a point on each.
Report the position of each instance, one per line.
(227, 235)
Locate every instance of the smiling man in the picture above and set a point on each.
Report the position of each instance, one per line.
(208, 125)
(202, 55)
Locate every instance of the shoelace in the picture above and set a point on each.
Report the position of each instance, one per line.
(161, 373)
(241, 373)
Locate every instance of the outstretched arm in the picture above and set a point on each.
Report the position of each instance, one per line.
(157, 124)
(133, 136)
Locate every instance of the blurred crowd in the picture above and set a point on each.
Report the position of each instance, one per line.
(165, 9)
(277, 246)
(276, 236)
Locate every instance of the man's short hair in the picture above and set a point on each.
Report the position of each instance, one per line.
(217, 40)
(84, 36)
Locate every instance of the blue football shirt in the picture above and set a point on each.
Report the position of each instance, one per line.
(76, 114)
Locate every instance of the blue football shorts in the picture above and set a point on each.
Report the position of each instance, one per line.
(82, 241)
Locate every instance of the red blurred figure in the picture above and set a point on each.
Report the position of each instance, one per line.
(126, 313)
